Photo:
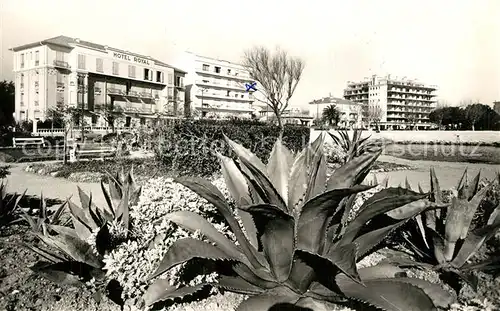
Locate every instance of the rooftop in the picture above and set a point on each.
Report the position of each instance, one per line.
(332, 100)
(69, 42)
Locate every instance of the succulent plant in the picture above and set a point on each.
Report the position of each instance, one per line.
(39, 223)
(295, 246)
(354, 146)
(9, 206)
(443, 240)
(74, 256)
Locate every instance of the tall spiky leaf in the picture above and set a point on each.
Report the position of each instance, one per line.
(472, 207)
(314, 219)
(297, 182)
(244, 153)
(276, 230)
(278, 168)
(187, 249)
(195, 222)
(210, 193)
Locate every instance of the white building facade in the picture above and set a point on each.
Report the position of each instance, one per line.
(75, 73)
(350, 112)
(404, 103)
(216, 88)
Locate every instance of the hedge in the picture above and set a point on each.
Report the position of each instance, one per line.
(188, 147)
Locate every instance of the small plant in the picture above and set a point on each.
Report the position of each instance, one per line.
(9, 206)
(74, 256)
(353, 147)
(443, 240)
(4, 171)
(39, 223)
(295, 246)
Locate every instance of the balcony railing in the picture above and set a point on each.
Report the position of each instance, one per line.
(60, 84)
(61, 64)
(36, 83)
(133, 93)
(37, 63)
(22, 65)
(22, 86)
(146, 95)
(115, 91)
(22, 103)
(36, 102)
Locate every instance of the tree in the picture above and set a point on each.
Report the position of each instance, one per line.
(482, 117)
(110, 113)
(66, 115)
(331, 115)
(474, 113)
(374, 113)
(7, 103)
(278, 74)
(438, 115)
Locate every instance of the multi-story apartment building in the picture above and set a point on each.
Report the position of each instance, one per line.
(99, 79)
(216, 88)
(397, 103)
(350, 112)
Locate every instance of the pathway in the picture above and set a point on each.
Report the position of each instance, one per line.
(54, 188)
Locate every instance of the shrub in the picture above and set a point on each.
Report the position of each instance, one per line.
(188, 146)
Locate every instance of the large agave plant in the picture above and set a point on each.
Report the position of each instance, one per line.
(73, 256)
(9, 206)
(444, 240)
(294, 246)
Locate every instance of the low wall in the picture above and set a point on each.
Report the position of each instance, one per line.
(469, 137)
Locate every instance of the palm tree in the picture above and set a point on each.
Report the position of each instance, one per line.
(331, 115)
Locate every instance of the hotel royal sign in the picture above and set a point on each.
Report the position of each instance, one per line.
(130, 58)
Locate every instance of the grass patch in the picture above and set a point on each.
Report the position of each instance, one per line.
(445, 153)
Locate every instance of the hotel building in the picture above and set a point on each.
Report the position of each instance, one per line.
(98, 78)
(404, 103)
(216, 88)
(350, 112)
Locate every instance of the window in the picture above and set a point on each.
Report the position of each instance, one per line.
(206, 81)
(143, 121)
(146, 73)
(94, 119)
(170, 78)
(228, 93)
(159, 75)
(131, 71)
(99, 65)
(170, 92)
(81, 61)
(60, 56)
(179, 81)
(116, 68)
(22, 60)
(217, 69)
(229, 71)
(37, 58)
(205, 67)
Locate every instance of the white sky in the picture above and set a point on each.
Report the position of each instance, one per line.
(454, 44)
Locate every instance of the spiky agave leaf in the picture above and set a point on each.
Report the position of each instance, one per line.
(278, 167)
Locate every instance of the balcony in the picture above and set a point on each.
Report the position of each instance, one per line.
(146, 95)
(97, 91)
(21, 86)
(61, 64)
(22, 104)
(36, 84)
(133, 94)
(115, 91)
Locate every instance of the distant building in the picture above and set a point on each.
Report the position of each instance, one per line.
(496, 106)
(291, 115)
(350, 112)
(77, 73)
(404, 103)
(216, 88)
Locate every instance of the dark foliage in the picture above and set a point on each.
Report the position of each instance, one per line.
(476, 116)
(188, 147)
(7, 103)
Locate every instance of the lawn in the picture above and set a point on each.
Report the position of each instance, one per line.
(446, 153)
(490, 138)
